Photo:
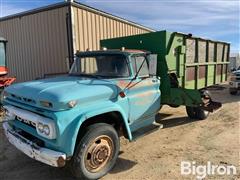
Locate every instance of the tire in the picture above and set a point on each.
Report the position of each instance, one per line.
(197, 113)
(191, 112)
(173, 80)
(233, 91)
(201, 114)
(174, 106)
(96, 152)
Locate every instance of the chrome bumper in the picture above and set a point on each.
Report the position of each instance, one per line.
(44, 155)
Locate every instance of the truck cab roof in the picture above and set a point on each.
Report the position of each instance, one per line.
(2, 39)
(112, 51)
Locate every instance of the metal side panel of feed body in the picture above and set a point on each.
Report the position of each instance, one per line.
(206, 62)
(185, 64)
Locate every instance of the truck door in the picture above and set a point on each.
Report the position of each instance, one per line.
(144, 93)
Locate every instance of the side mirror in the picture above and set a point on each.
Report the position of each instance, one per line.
(69, 62)
(152, 62)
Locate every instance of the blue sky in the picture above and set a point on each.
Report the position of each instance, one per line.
(214, 19)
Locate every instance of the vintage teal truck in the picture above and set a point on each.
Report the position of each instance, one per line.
(79, 117)
(76, 120)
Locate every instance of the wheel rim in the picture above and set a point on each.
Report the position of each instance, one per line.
(99, 153)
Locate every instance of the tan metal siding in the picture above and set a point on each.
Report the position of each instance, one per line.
(37, 43)
(89, 28)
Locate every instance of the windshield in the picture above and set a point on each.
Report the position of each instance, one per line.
(101, 65)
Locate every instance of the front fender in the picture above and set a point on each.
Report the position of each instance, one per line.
(112, 108)
(98, 111)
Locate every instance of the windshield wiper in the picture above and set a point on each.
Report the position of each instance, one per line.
(97, 76)
(85, 75)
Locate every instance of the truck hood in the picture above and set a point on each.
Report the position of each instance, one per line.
(61, 90)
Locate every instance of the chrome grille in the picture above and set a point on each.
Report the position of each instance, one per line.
(26, 122)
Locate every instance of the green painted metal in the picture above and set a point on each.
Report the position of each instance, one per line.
(174, 52)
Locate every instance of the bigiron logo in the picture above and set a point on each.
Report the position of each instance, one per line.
(201, 171)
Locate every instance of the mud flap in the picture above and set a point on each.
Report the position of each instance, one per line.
(211, 106)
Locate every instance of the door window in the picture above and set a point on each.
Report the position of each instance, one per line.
(137, 62)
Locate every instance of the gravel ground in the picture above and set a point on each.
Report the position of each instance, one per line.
(159, 154)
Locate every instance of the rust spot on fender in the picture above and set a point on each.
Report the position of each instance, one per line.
(133, 85)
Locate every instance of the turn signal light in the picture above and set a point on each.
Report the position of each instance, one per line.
(122, 94)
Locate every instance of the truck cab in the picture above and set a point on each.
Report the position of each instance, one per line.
(77, 118)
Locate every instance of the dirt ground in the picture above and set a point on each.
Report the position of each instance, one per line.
(159, 154)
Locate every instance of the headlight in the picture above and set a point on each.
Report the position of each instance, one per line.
(72, 103)
(8, 115)
(46, 130)
(40, 127)
(4, 95)
(46, 104)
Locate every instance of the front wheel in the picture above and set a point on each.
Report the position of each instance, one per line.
(96, 152)
(197, 113)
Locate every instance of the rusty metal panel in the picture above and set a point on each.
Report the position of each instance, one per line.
(219, 69)
(202, 47)
(224, 68)
(211, 52)
(225, 58)
(190, 73)
(37, 43)
(219, 52)
(202, 71)
(190, 50)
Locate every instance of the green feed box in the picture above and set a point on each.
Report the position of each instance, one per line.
(194, 62)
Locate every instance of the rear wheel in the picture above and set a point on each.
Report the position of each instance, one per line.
(96, 153)
(197, 113)
(201, 114)
(191, 112)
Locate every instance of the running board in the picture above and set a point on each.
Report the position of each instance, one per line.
(146, 130)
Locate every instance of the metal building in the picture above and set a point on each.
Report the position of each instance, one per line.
(41, 41)
(234, 61)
